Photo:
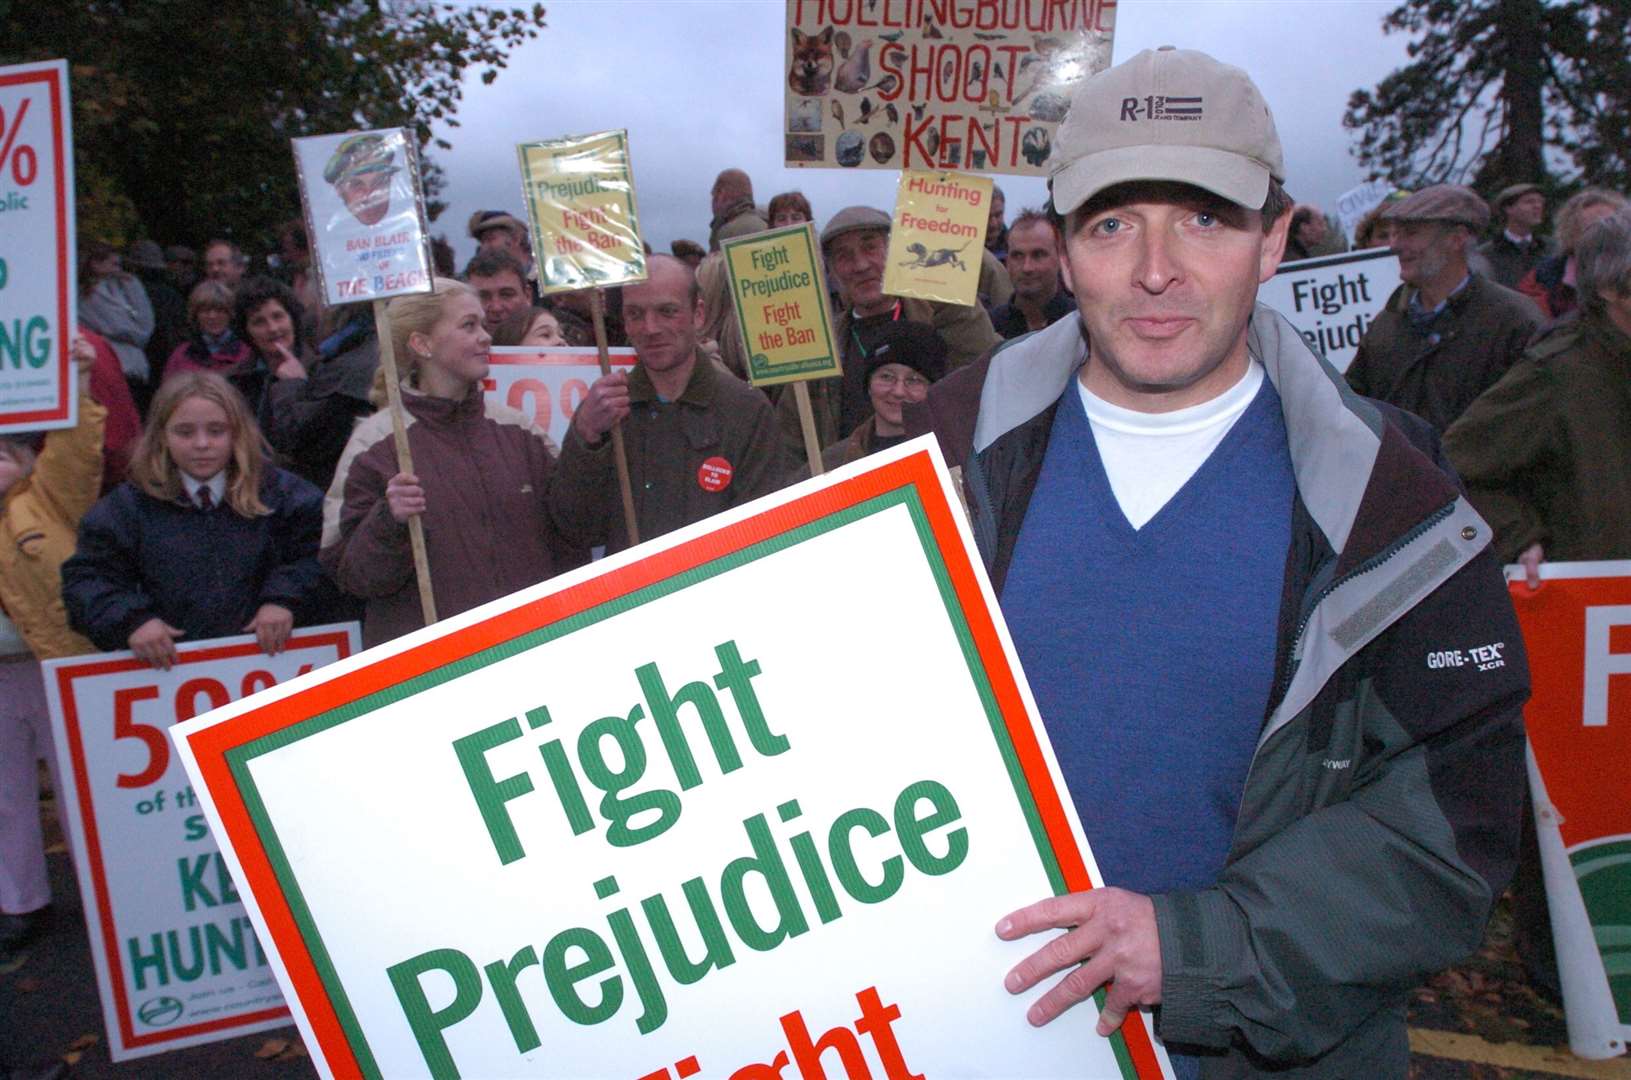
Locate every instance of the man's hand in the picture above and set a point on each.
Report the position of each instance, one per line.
(1111, 937)
(404, 496)
(288, 365)
(1530, 561)
(271, 626)
(606, 405)
(154, 643)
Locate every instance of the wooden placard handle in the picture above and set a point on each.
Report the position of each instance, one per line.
(404, 458)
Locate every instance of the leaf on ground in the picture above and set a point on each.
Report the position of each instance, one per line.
(271, 1048)
(84, 1042)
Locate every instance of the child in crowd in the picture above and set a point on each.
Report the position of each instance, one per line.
(42, 497)
(482, 479)
(206, 539)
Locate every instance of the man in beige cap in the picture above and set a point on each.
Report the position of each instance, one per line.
(1222, 571)
(1514, 251)
(1447, 333)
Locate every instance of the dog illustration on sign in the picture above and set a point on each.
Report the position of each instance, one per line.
(924, 259)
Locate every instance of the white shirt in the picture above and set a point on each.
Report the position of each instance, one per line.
(1149, 457)
(217, 485)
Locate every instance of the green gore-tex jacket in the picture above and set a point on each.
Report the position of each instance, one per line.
(1380, 813)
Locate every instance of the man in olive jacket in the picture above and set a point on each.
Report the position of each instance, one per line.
(1264, 629)
(699, 440)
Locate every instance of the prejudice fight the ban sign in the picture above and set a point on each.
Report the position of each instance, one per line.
(744, 801)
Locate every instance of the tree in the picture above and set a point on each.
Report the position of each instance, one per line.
(183, 109)
(1501, 91)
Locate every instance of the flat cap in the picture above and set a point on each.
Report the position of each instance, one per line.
(1513, 192)
(852, 218)
(146, 254)
(1450, 203)
(482, 220)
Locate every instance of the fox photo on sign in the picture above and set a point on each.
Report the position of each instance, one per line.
(637, 822)
(365, 214)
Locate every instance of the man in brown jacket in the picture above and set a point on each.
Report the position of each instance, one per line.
(698, 440)
(1447, 333)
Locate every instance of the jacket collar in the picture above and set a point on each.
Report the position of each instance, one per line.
(442, 412)
(698, 392)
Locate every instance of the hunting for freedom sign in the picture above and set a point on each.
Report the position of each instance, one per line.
(637, 821)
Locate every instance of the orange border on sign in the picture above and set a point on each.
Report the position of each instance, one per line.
(211, 745)
(65, 676)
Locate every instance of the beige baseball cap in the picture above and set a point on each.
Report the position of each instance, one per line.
(1167, 114)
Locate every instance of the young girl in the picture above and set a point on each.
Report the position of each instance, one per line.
(481, 481)
(206, 539)
(42, 497)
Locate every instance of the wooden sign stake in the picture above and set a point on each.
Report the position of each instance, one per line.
(404, 457)
(597, 305)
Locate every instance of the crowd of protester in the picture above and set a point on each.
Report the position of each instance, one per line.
(233, 472)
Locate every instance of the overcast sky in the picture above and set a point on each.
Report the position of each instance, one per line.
(699, 85)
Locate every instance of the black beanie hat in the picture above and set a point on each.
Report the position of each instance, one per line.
(910, 343)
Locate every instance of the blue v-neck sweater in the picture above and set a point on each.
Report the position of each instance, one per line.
(1151, 651)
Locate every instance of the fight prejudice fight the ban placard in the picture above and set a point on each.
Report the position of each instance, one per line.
(744, 801)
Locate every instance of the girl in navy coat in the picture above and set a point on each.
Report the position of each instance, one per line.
(206, 539)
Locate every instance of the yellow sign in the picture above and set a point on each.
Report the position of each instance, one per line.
(580, 202)
(938, 237)
(781, 301)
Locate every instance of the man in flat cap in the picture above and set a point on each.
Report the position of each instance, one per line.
(1447, 333)
(1514, 251)
(1225, 574)
(498, 232)
(361, 169)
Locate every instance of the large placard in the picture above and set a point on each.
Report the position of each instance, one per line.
(779, 293)
(547, 385)
(177, 961)
(1577, 631)
(581, 209)
(638, 821)
(365, 214)
(936, 84)
(38, 310)
(1332, 300)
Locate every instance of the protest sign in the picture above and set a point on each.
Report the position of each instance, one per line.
(936, 84)
(938, 237)
(580, 204)
(177, 962)
(365, 214)
(780, 295)
(547, 385)
(1355, 203)
(639, 821)
(1577, 631)
(1332, 300)
(38, 313)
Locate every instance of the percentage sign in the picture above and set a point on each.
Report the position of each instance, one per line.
(25, 165)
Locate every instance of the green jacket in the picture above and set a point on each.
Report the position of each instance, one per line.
(1546, 452)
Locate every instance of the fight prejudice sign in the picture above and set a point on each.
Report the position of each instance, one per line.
(1577, 632)
(580, 204)
(1332, 300)
(636, 821)
(547, 385)
(978, 85)
(37, 276)
(177, 962)
(780, 296)
(938, 237)
(365, 214)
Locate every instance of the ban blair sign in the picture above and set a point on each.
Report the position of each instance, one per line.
(709, 806)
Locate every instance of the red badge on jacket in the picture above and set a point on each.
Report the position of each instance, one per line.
(715, 474)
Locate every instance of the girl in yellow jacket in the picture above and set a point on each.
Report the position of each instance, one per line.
(42, 498)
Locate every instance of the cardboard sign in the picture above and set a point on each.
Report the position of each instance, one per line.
(38, 293)
(1332, 300)
(779, 291)
(365, 214)
(1356, 202)
(1577, 630)
(177, 961)
(547, 384)
(936, 84)
(938, 237)
(673, 814)
(580, 204)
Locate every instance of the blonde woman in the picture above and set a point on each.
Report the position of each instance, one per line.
(483, 476)
(206, 539)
